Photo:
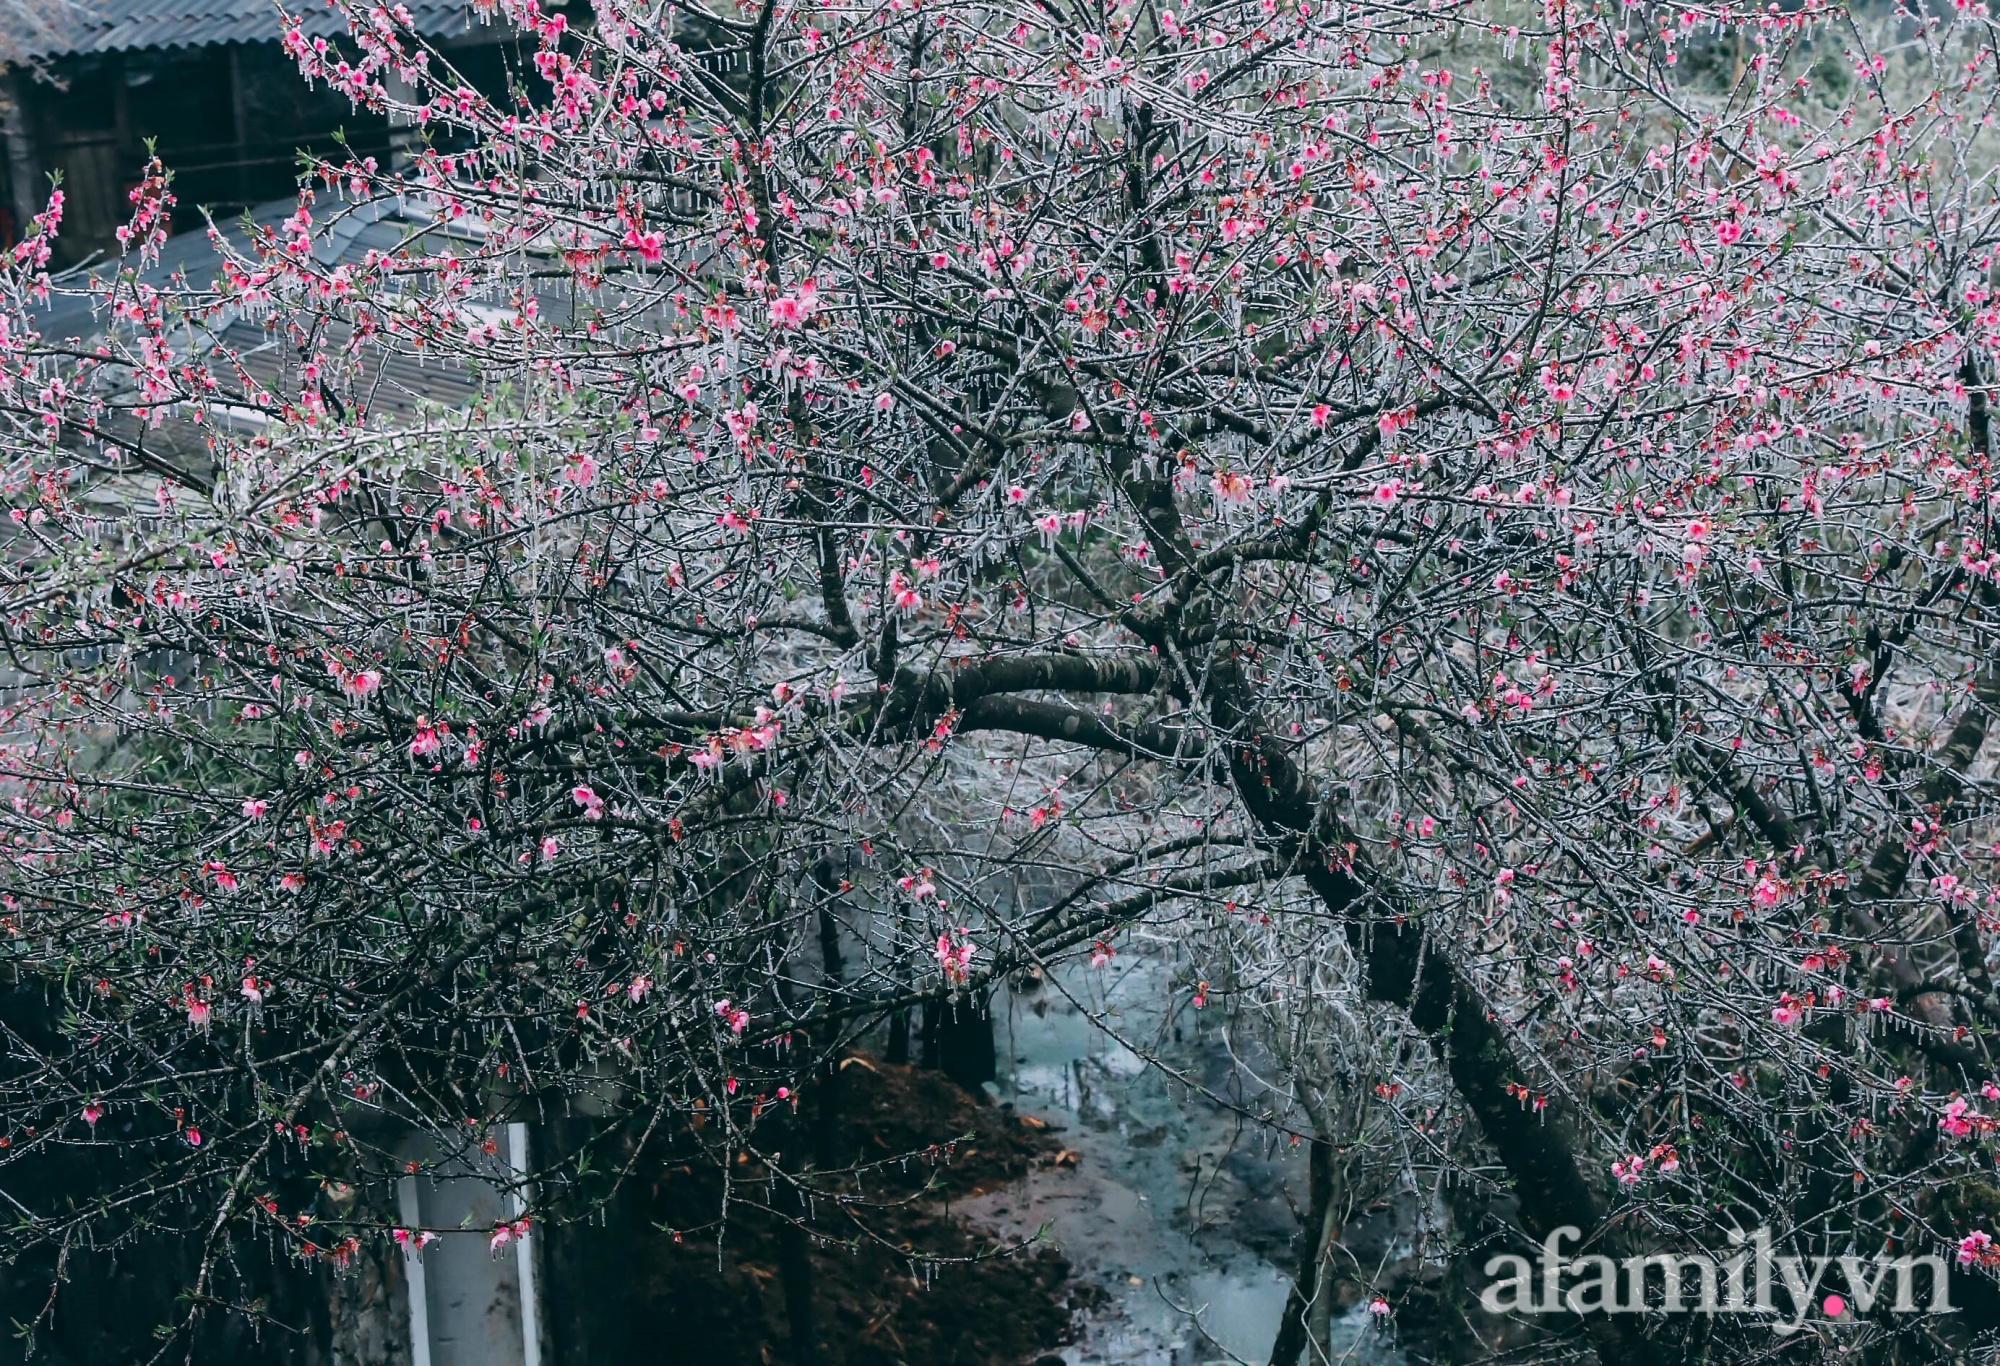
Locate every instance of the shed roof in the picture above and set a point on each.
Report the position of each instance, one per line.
(129, 25)
(394, 385)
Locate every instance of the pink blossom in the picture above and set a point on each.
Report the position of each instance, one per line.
(1231, 487)
(1960, 1119)
(741, 421)
(792, 310)
(954, 958)
(426, 741)
(649, 245)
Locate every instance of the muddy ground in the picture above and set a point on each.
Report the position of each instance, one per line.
(903, 1279)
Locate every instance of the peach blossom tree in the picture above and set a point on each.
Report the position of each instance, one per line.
(1476, 516)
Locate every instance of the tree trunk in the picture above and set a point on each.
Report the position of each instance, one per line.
(795, 1271)
(1539, 1151)
(833, 967)
(958, 1041)
(1307, 1291)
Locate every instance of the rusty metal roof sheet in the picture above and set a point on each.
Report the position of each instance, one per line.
(129, 25)
(391, 385)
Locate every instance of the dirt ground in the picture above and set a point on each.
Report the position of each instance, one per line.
(875, 1298)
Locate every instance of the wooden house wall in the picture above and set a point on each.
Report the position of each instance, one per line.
(230, 121)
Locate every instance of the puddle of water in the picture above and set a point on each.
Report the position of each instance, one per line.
(1180, 1209)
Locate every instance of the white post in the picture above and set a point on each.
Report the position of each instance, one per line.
(413, 1273)
(524, 1251)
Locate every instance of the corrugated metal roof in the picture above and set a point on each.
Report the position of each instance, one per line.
(391, 384)
(126, 25)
